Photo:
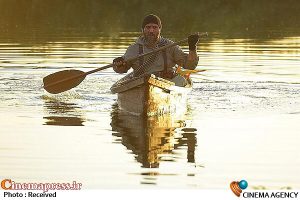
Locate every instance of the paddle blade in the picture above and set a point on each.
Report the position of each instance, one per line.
(62, 81)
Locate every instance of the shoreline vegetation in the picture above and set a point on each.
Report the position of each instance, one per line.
(89, 17)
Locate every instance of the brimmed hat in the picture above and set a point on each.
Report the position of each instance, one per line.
(151, 19)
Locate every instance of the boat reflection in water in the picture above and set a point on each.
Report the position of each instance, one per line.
(62, 113)
(150, 137)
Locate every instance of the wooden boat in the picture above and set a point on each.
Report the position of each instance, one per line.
(151, 95)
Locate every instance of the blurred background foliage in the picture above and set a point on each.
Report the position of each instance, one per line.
(114, 16)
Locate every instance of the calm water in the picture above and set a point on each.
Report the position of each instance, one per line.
(242, 121)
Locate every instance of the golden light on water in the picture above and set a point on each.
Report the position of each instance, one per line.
(246, 60)
(242, 120)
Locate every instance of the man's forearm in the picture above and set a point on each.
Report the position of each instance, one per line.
(192, 60)
(192, 56)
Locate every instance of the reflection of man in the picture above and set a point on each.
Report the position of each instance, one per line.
(163, 63)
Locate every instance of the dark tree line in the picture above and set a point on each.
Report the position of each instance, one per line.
(126, 15)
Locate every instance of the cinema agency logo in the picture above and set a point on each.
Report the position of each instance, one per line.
(238, 187)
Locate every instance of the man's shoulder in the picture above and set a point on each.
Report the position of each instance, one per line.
(165, 41)
(136, 44)
(133, 48)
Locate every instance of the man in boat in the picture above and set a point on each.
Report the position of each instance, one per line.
(163, 63)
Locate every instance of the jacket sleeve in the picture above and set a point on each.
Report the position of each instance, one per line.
(181, 59)
(131, 52)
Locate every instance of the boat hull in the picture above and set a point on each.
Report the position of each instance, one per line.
(151, 96)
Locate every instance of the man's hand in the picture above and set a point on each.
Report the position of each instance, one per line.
(120, 65)
(193, 41)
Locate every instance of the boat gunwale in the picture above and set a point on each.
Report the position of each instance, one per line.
(150, 79)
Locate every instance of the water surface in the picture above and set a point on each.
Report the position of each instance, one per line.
(242, 121)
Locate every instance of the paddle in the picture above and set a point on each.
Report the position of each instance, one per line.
(67, 79)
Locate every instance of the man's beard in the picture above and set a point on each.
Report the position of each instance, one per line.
(151, 39)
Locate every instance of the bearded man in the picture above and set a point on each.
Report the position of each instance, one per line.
(162, 64)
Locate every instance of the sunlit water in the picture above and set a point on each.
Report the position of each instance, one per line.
(242, 121)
